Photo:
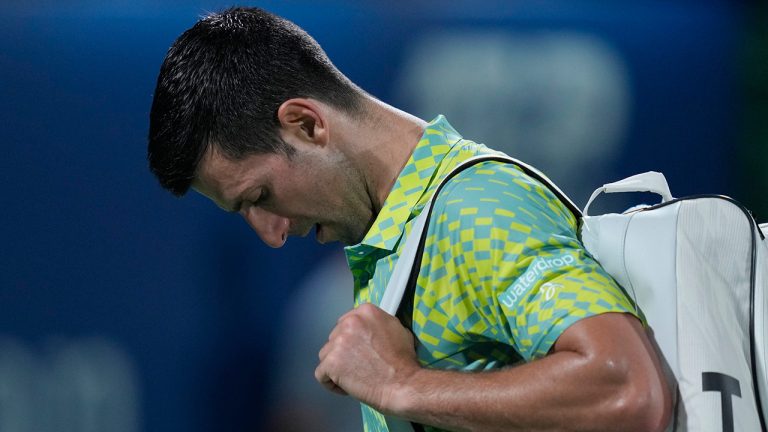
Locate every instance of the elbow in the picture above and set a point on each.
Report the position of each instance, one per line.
(645, 404)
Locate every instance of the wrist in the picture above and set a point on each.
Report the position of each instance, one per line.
(404, 394)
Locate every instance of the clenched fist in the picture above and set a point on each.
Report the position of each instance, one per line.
(368, 355)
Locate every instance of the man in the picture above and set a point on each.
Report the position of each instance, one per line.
(250, 112)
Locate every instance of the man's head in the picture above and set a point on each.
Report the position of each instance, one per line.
(222, 83)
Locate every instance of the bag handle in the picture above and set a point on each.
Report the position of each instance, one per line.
(650, 181)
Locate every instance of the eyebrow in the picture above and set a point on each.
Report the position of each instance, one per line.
(197, 189)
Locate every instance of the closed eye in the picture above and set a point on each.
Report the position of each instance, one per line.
(261, 199)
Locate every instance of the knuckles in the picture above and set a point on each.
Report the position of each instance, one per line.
(340, 340)
(367, 309)
(358, 316)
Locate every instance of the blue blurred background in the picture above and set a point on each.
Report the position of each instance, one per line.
(124, 309)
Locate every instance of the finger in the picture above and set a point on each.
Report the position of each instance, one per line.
(363, 310)
(348, 328)
(370, 308)
(346, 314)
(343, 324)
(324, 351)
(327, 382)
(336, 389)
(335, 331)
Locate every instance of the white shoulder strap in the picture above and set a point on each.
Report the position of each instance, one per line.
(398, 282)
(393, 294)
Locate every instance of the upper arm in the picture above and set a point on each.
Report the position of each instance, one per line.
(506, 250)
(616, 347)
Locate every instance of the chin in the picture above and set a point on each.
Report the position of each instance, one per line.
(352, 242)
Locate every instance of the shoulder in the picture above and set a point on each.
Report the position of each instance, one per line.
(503, 192)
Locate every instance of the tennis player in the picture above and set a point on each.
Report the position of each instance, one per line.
(514, 326)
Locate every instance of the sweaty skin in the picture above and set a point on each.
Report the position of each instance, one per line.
(601, 375)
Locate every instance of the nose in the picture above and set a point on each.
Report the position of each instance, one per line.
(271, 228)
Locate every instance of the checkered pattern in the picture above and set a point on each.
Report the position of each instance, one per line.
(503, 273)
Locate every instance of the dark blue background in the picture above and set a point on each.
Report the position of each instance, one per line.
(92, 246)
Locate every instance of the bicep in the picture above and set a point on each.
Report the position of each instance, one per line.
(619, 334)
(618, 351)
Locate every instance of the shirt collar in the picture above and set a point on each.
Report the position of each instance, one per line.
(409, 188)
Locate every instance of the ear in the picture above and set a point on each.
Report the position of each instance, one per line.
(303, 120)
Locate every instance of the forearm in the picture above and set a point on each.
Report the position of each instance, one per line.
(602, 374)
(619, 389)
(559, 392)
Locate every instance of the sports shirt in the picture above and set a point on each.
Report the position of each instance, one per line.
(503, 273)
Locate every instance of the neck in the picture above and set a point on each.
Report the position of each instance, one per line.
(385, 140)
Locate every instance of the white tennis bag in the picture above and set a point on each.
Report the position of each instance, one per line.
(698, 269)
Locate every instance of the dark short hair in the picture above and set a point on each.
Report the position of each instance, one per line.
(221, 84)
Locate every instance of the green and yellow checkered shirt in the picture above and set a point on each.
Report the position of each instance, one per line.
(503, 273)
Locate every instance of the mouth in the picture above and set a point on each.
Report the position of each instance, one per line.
(298, 231)
(318, 233)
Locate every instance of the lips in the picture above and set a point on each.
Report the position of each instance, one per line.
(299, 230)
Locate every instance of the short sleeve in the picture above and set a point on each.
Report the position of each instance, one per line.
(505, 251)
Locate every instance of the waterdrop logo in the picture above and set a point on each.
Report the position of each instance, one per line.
(550, 289)
(533, 275)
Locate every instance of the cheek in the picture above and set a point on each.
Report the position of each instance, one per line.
(323, 191)
(310, 197)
